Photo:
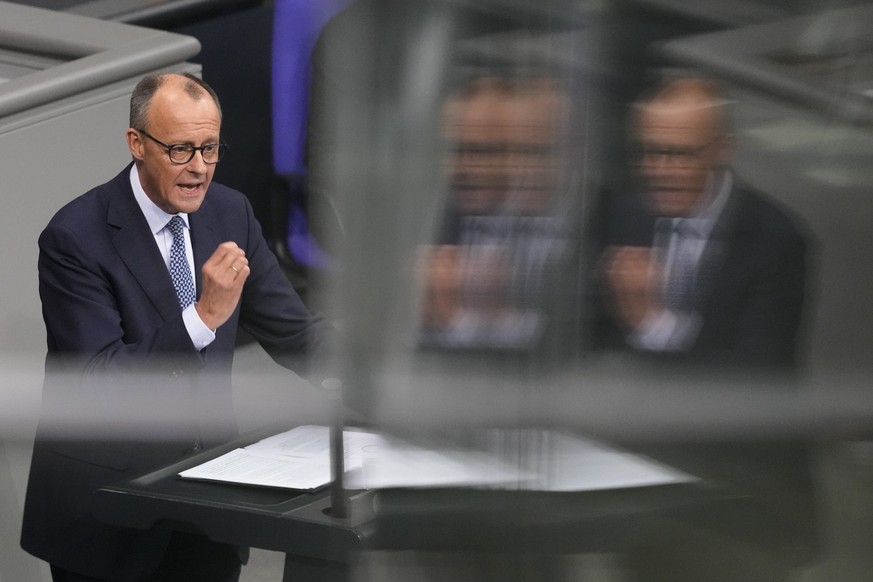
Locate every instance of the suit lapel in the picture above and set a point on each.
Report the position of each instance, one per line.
(204, 240)
(725, 240)
(136, 246)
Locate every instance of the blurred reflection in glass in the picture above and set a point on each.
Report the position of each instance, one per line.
(723, 282)
(503, 228)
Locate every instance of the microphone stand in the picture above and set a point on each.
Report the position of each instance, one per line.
(338, 502)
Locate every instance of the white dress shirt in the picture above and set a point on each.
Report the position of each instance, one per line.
(157, 219)
(671, 330)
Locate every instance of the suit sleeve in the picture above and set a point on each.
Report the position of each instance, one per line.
(272, 311)
(87, 318)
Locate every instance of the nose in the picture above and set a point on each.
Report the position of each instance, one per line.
(657, 166)
(196, 164)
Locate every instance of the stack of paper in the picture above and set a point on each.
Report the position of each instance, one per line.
(296, 459)
(529, 459)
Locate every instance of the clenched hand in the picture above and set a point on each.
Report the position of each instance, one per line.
(223, 277)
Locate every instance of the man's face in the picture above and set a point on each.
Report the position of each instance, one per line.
(679, 145)
(176, 118)
(473, 128)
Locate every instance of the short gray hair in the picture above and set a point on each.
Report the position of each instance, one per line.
(144, 92)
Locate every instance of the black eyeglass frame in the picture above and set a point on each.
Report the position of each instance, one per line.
(679, 157)
(184, 147)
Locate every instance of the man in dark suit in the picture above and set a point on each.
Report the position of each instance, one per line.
(724, 279)
(721, 289)
(141, 320)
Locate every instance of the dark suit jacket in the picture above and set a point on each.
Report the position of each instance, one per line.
(752, 279)
(752, 283)
(752, 286)
(125, 389)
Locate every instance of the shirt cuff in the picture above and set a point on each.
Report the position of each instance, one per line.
(201, 336)
(666, 331)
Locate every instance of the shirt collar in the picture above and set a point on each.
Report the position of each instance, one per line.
(706, 213)
(156, 217)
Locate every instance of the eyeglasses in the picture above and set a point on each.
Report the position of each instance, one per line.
(674, 156)
(493, 155)
(182, 153)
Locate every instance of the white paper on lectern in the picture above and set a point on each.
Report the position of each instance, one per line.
(252, 468)
(399, 463)
(295, 459)
(313, 442)
(575, 463)
(552, 461)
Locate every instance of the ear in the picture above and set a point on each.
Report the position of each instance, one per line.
(135, 144)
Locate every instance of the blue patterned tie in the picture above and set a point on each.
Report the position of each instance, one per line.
(180, 271)
(679, 293)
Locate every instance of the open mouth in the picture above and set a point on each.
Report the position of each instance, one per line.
(669, 193)
(189, 189)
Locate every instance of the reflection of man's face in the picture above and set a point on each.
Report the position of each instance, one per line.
(539, 117)
(679, 144)
(472, 126)
(503, 143)
(175, 117)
